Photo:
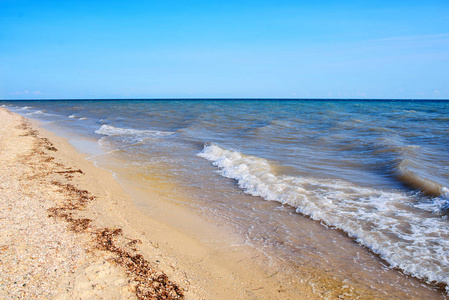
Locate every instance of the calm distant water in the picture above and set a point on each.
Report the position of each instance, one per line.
(378, 170)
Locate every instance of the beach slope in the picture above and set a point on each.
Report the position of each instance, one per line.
(51, 245)
(70, 231)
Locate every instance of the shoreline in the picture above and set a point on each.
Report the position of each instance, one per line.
(222, 268)
(60, 252)
(201, 272)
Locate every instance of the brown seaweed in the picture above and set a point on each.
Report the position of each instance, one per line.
(149, 282)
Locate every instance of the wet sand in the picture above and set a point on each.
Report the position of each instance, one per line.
(70, 231)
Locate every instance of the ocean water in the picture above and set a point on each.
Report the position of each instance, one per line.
(373, 172)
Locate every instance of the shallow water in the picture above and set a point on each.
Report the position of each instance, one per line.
(378, 171)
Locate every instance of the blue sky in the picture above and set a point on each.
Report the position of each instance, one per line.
(224, 49)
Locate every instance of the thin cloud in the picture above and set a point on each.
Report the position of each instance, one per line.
(434, 42)
(414, 38)
(26, 92)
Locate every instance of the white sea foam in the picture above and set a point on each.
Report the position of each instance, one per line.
(72, 116)
(109, 130)
(384, 221)
(436, 205)
(37, 112)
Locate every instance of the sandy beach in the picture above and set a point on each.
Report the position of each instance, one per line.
(50, 246)
(69, 231)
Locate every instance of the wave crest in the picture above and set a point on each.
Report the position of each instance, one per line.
(110, 130)
(377, 219)
(415, 181)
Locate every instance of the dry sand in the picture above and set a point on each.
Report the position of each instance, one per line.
(68, 231)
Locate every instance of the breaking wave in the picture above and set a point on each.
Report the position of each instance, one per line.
(386, 222)
(110, 130)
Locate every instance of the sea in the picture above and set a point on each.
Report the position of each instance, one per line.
(297, 179)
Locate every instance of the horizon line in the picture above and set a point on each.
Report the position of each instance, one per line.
(219, 99)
